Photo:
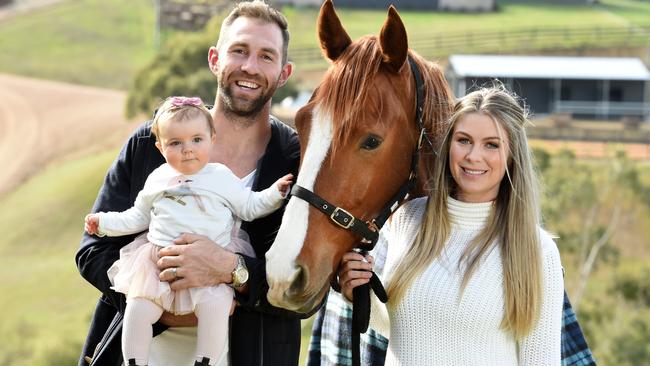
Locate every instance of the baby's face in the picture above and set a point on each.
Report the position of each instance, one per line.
(186, 145)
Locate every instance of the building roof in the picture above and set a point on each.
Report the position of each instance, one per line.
(543, 67)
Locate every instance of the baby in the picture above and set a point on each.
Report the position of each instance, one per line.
(188, 194)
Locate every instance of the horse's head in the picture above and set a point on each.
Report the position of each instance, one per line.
(357, 137)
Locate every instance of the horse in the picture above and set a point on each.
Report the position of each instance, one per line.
(359, 137)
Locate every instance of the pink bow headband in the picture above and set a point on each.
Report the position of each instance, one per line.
(182, 101)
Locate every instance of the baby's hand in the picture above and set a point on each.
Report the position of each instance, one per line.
(284, 183)
(91, 224)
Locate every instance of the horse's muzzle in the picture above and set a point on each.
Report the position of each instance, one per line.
(293, 294)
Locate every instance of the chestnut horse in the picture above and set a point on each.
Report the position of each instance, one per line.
(358, 134)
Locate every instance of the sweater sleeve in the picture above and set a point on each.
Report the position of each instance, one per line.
(134, 220)
(542, 345)
(244, 202)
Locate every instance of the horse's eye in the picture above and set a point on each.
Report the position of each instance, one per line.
(371, 142)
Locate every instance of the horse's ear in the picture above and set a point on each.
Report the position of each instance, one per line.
(333, 38)
(393, 41)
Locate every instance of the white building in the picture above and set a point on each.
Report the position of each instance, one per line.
(584, 87)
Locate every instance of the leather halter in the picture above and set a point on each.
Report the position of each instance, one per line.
(369, 230)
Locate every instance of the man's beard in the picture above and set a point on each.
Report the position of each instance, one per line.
(244, 108)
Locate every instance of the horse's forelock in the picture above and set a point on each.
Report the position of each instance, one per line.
(345, 90)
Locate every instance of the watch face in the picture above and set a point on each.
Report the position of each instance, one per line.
(242, 275)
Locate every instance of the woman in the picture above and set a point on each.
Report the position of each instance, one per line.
(471, 277)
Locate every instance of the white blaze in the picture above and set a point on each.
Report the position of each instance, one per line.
(280, 259)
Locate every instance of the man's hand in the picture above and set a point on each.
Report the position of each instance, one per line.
(91, 224)
(195, 261)
(171, 320)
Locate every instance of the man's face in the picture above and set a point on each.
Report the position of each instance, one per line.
(249, 66)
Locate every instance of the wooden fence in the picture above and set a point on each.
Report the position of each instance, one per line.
(433, 46)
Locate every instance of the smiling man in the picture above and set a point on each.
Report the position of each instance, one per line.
(249, 63)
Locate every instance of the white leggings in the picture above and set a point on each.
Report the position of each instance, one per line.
(212, 330)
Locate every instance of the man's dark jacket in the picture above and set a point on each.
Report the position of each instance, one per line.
(259, 333)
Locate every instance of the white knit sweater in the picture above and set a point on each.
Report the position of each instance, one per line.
(435, 325)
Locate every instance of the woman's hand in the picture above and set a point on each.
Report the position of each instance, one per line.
(355, 270)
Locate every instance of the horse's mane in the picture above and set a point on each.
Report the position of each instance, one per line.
(346, 88)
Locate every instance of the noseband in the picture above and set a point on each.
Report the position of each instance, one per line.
(369, 230)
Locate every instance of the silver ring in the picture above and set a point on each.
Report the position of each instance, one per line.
(174, 270)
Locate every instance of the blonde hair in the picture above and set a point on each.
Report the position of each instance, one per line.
(258, 9)
(174, 109)
(513, 222)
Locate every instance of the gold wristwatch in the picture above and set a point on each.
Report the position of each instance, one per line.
(239, 274)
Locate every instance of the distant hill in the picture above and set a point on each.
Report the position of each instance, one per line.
(44, 120)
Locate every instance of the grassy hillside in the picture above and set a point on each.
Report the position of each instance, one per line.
(90, 42)
(104, 43)
(46, 304)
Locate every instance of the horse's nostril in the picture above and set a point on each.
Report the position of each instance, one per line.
(299, 280)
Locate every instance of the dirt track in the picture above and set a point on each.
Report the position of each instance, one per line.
(43, 120)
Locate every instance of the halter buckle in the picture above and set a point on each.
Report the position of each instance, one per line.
(342, 218)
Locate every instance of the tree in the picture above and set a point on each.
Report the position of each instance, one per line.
(585, 208)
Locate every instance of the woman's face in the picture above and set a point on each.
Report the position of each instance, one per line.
(478, 155)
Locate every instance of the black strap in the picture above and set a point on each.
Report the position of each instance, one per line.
(394, 202)
(338, 215)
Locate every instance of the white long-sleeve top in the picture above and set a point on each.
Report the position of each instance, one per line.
(435, 324)
(203, 203)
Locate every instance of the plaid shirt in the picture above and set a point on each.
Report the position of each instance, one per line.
(331, 333)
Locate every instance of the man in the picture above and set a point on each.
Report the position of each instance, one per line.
(250, 63)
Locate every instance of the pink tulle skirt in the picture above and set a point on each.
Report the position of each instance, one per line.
(135, 274)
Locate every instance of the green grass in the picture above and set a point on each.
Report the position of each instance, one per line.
(89, 42)
(511, 29)
(46, 304)
(104, 43)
